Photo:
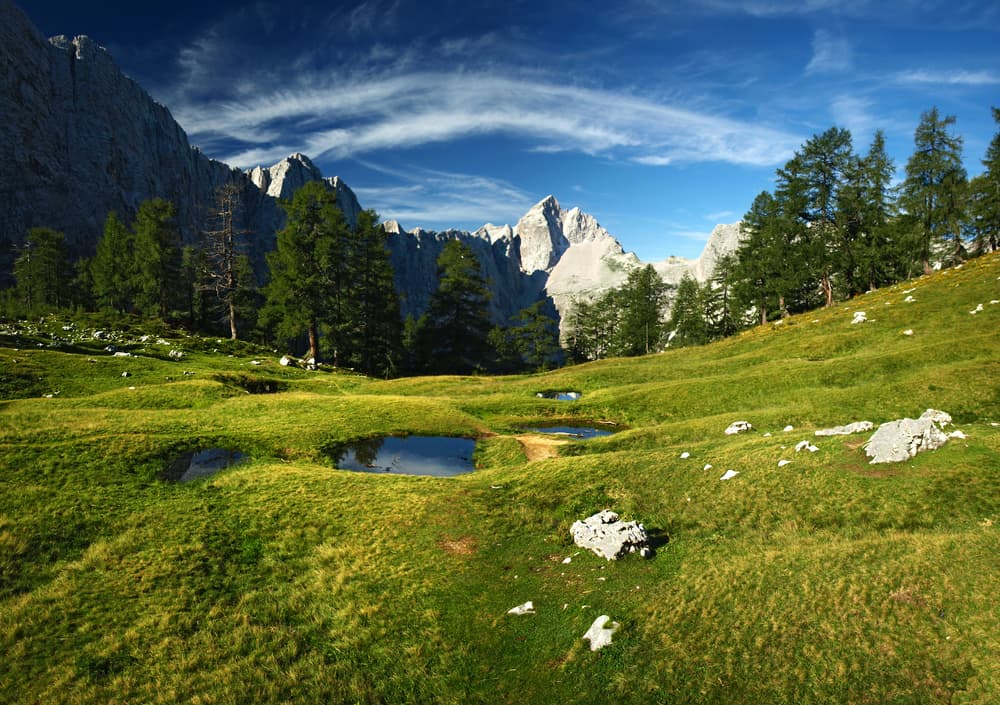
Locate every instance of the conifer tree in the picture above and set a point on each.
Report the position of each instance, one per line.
(223, 248)
(112, 269)
(377, 339)
(984, 196)
(304, 266)
(721, 315)
(42, 271)
(688, 324)
(455, 336)
(157, 258)
(533, 338)
(642, 299)
(933, 190)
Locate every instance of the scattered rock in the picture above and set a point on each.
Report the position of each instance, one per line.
(285, 361)
(599, 634)
(993, 302)
(685, 455)
(256, 362)
(954, 434)
(788, 428)
(122, 354)
(859, 317)
(126, 373)
(729, 474)
(100, 335)
(608, 537)
(738, 427)
(896, 441)
(908, 331)
(783, 463)
(646, 552)
(526, 608)
(977, 309)
(856, 427)
(909, 299)
(567, 559)
(767, 435)
(176, 354)
(707, 467)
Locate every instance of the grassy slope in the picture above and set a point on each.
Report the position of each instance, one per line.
(283, 580)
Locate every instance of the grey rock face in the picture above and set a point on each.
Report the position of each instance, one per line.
(856, 427)
(608, 537)
(900, 440)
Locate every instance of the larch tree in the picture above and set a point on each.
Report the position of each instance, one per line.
(984, 197)
(157, 258)
(112, 268)
(932, 194)
(377, 333)
(42, 271)
(223, 246)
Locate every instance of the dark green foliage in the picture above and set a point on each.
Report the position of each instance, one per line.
(377, 330)
(307, 268)
(984, 199)
(688, 323)
(454, 337)
(531, 343)
(157, 258)
(42, 271)
(642, 299)
(933, 191)
(593, 326)
(112, 269)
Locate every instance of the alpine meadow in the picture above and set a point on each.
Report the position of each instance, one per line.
(262, 444)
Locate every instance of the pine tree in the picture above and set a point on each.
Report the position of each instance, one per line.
(534, 338)
(305, 265)
(984, 196)
(157, 258)
(42, 271)
(688, 324)
(642, 299)
(377, 343)
(721, 315)
(112, 269)
(933, 189)
(455, 337)
(762, 259)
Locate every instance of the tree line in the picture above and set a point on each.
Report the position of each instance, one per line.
(329, 291)
(834, 226)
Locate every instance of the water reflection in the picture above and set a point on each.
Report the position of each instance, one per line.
(440, 456)
(559, 396)
(196, 464)
(575, 432)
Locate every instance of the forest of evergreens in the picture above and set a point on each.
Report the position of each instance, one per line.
(834, 226)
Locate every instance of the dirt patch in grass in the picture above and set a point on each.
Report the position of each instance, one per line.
(463, 546)
(539, 447)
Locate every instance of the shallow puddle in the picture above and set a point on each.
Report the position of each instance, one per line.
(560, 396)
(197, 464)
(571, 432)
(441, 456)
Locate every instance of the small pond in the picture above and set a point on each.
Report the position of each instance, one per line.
(441, 456)
(574, 432)
(196, 464)
(560, 396)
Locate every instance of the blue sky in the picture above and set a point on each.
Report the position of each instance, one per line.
(661, 119)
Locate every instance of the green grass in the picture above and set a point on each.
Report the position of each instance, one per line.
(285, 580)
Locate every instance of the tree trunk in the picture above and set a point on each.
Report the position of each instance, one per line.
(313, 341)
(763, 313)
(232, 320)
(827, 286)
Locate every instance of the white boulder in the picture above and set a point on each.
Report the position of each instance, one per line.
(608, 537)
(859, 317)
(527, 608)
(900, 440)
(856, 427)
(738, 427)
(600, 632)
(729, 474)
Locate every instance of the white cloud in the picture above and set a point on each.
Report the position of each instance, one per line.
(349, 116)
(957, 77)
(437, 199)
(721, 216)
(831, 54)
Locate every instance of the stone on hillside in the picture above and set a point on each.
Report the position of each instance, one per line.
(908, 331)
(909, 299)
(126, 373)
(729, 474)
(738, 427)
(685, 455)
(900, 440)
(956, 434)
(856, 427)
(859, 317)
(285, 361)
(527, 608)
(608, 537)
(783, 463)
(805, 445)
(977, 309)
(176, 354)
(788, 428)
(600, 632)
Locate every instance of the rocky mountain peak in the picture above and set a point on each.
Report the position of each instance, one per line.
(286, 177)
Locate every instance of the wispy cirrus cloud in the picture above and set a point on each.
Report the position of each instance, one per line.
(956, 77)
(434, 198)
(831, 53)
(345, 117)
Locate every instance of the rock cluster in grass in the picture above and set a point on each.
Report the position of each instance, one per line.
(900, 440)
(856, 427)
(608, 537)
(600, 632)
(738, 427)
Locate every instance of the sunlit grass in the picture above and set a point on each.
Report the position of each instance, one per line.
(286, 580)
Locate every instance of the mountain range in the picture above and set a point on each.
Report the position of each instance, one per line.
(82, 139)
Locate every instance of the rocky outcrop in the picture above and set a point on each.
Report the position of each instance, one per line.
(608, 537)
(900, 440)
